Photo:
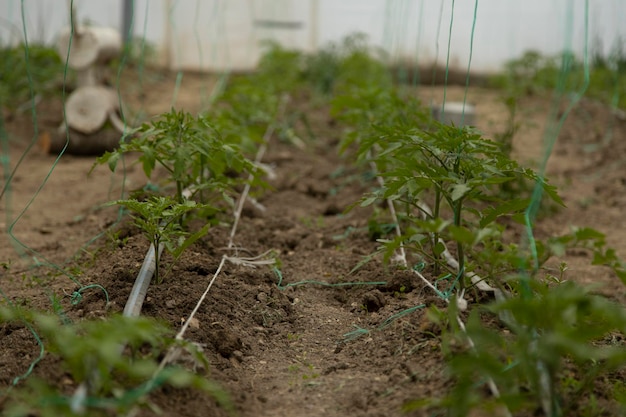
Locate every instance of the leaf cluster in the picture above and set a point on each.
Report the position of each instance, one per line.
(448, 182)
(192, 151)
(161, 221)
(92, 353)
(558, 331)
(534, 73)
(41, 63)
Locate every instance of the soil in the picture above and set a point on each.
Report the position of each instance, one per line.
(278, 347)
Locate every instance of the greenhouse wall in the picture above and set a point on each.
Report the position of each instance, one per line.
(229, 34)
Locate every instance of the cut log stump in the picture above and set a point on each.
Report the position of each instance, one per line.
(106, 139)
(88, 108)
(90, 45)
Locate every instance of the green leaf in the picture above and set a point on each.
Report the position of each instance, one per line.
(148, 160)
(586, 233)
(459, 191)
(461, 234)
(190, 240)
(439, 249)
(368, 201)
(507, 208)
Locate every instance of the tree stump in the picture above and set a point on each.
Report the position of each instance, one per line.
(90, 46)
(92, 123)
(88, 108)
(106, 139)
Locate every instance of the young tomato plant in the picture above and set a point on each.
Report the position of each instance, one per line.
(445, 171)
(160, 219)
(561, 331)
(192, 151)
(106, 381)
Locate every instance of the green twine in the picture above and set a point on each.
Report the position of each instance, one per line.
(552, 132)
(179, 74)
(34, 363)
(445, 295)
(77, 295)
(280, 286)
(445, 82)
(469, 61)
(359, 331)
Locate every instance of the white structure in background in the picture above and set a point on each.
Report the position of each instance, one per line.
(226, 34)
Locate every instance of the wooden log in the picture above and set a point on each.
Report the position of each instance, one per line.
(106, 139)
(88, 108)
(90, 45)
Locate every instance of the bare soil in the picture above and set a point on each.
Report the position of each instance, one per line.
(280, 349)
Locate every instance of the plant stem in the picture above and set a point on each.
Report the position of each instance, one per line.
(157, 258)
(458, 206)
(179, 192)
(436, 234)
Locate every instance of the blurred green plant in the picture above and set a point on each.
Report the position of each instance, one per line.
(112, 366)
(560, 327)
(352, 63)
(194, 153)
(534, 73)
(17, 64)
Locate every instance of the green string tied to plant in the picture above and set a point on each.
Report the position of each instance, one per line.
(77, 295)
(326, 284)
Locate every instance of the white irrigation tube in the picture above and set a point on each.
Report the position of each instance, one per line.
(142, 282)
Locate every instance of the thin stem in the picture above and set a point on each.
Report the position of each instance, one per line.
(179, 192)
(157, 258)
(458, 206)
(436, 234)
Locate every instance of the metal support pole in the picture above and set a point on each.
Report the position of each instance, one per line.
(127, 19)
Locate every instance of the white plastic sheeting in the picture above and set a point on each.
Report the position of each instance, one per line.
(227, 34)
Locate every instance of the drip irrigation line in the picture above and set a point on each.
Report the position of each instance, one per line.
(142, 282)
(257, 160)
